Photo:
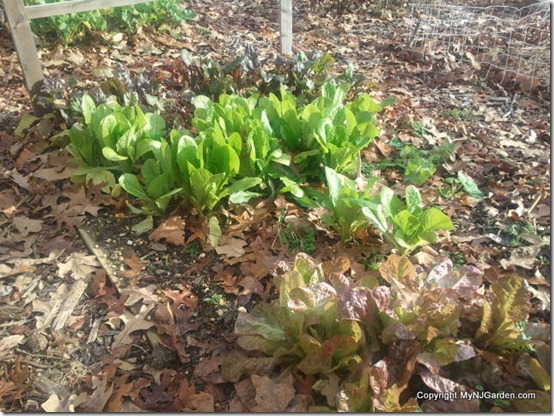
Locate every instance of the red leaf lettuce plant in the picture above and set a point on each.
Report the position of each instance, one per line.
(364, 340)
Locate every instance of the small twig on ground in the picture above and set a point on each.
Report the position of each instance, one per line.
(100, 256)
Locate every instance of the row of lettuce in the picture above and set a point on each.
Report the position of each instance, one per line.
(371, 342)
(240, 148)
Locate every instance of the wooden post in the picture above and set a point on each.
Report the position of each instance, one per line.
(286, 27)
(24, 44)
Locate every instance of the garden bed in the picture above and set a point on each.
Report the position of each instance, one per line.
(154, 325)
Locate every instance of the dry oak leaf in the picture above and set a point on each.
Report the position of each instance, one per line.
(53, 174)
(232, 248)
(115, 402)
(79, 264)
(26, 225)
(26, 265)
(251, 285)
(133, 323)
(172, 230)
(190, 401)
(8, 200)
(96, 402)
(524, 257)
(272, 396)
(57, 404)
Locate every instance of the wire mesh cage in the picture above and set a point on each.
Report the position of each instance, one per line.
(508, 43)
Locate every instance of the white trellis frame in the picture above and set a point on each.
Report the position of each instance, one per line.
(19, 17)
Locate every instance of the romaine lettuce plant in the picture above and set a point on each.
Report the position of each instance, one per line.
(113, 139)
(260, 150)
(409, 225)
(326, 131)
(343, 202)
(208, 167)
(85, 138)
(159, 182)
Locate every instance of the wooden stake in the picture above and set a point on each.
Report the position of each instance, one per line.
(24, 44)
(286, 27)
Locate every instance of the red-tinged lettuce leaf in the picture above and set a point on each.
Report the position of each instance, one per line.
(428, 360)
(308, 268)
(441, 311)
(441, 384)
(382, 297)
(469, 279)
(309, 344)
(317, 305)
(426, 332)
(448, 350)
(386, 392)
(379, 378)
(286, 283)
(399, 269)
(391, 376)
(401, 360)
(396, 331)
(467, 406)
(465, 352)
(338, 346)
(364, 305)
(336, 352)
(356, 394)
(314, 297)
(305, 273)
(437, 316)
(388, 402)
(466, 279)
(511, 301)
(264, 328)
(400, 274)
(327, 357)
(340, 282)
(507, 304)
(334, 273)
(486, 321)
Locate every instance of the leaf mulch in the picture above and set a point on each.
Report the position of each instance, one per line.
(94, 317)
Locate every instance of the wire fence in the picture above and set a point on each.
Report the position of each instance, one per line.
(507, 43)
